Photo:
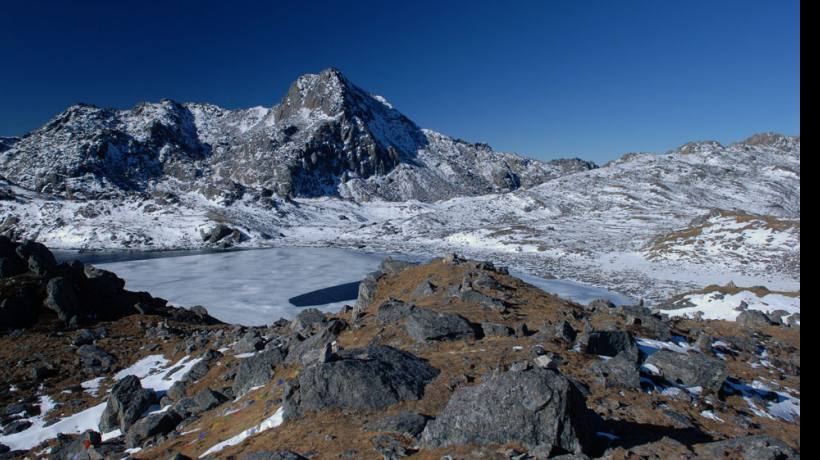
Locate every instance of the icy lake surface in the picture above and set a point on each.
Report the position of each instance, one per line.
(257, 287)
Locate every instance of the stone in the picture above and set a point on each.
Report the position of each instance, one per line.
(16, 426)
(424, 289)
(393, 311)
(564, 332)
(496, 330)
(257, 370)
(753, 319)
(423, 324)
(367, 289)
(618, 372)
(690, 369)
(484, 301)
(391, 266)
(307, 351)
(61, 298)
(539, 409)
(307, 322)
(207, 399)
(364, 378)
(84, 337)
(611, 343)
(150, 427)
(95, 358)
(176, 391)
(126, 404)
(545, 362)
(38, 258)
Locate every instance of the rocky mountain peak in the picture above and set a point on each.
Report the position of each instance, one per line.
(771, 140)
(325, 92)
(694, 147)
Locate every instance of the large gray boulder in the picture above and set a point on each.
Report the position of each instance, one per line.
(754, 319)
(367, 290)
(126, 404)
(150, 427)
(537, 408)
(618, 372)
(611, 343)
(308, 350)
(61, 298)
(95, 359)
(364, 378)
(423, 324)
(307, 322)
(690, 369)
(38, 258)
(257, 370)
(391, 266)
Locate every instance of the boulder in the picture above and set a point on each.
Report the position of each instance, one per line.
(424, 289)
(643, 318)
(16, 426)
(86, 446)
(753, 319)
(393, 311)
(367, 289)
(102, 283)
(482, 300)
(207, 399)
(38, 258)
(618, 372)
(95, 359)
(257, 370)
(20, 300)
(150, 427)
(391, 266)
(539, 409)
(61, 298)
(690, 369)
(364, 378)
(308, 350)
(497, 330)
(611, 343)
(307, 322)
(176, 392)
(126, 404)
(202, 367)
(423, 324)
(564, 332)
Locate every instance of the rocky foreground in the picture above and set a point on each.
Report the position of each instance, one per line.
(450, 359)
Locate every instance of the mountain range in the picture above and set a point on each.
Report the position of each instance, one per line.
(327, 137)
(332, 165)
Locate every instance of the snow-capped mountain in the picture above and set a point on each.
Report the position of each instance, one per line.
(327, 137)
(332, 165)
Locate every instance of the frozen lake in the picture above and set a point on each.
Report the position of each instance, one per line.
(257, 287)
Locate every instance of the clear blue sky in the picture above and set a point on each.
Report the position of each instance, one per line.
(547, 79)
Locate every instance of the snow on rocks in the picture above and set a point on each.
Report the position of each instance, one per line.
(271, 422)
(727, 306)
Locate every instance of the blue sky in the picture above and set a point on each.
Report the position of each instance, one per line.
(547, 79)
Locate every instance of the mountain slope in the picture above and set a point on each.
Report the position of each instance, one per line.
(327, 137)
